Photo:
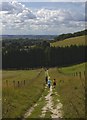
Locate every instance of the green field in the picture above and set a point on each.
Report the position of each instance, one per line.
(70, 41)
(16, 100)
(70, 87)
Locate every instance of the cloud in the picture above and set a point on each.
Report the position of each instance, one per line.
(19, 19)
(16, 11)
(54, 15)
(57, 17)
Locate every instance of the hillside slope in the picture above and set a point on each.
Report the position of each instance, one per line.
(71, 88)
(70, 41)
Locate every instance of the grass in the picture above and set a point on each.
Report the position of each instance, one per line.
(74, 68)
(48, 114)
(17, 100)
(70, 41)
(55, 98)
(70, 88)
(71, 91)
(41, 103)
(20, 74)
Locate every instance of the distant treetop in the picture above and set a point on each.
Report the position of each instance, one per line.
(69, 35)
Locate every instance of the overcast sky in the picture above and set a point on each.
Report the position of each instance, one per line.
(42, 17)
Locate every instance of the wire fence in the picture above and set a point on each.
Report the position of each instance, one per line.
(19, 83)
(80, 74)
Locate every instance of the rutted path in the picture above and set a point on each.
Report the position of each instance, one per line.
(55, 112)
(49, 105)
(29, 112)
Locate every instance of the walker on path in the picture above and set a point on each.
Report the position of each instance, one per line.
(46, 76)
(49, 82)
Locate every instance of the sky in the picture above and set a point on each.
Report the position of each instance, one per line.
(41, 18)
(45, 0)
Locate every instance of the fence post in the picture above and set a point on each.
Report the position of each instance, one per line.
(14, 83)
(18, 84)
(76, 74)
(6, 82)
(80, 74)
(84, 73)
(24, 82)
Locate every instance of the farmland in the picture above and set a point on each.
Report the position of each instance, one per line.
(18, 98)
(70, 87)
(24, 92)
(70, 41)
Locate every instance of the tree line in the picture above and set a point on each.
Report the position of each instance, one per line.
(70, 35)
(42, 56)
(21, 42)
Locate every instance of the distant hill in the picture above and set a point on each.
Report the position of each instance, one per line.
(70, 41)
(70, 35)
(45, 37)
(53, 38)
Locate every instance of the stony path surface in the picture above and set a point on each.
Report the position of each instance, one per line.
(55, 112)
(49, 106)
(28, 113)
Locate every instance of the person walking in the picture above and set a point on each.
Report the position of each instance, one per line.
(49, 82)
(54, 83)
(46, 75)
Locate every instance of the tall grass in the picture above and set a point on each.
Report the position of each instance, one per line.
(71, 90)
(17, 100)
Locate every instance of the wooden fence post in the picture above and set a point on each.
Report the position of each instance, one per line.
(6, 82)
(76, 74)
(80, 74)
(84, 73)
(14, 83)
(24, 82)
(18, 84)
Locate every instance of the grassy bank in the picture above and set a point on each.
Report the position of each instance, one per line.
(71, 90)
(70, 41)
(19, 98)
(16, 100)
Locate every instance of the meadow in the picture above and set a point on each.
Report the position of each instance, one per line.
(70, 41)
(71, 88)
(17, 99)
(20, 97)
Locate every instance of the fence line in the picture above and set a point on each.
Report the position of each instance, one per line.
(21, 83)
(75, 74)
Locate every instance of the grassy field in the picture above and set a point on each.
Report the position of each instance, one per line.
(70, 87)
(71, 41)
(17, 100)
(71, 90)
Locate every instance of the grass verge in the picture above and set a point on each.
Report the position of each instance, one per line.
(17, 100)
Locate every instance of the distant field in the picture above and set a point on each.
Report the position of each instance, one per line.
(16, 100)
(20, 74)
(71, 41)
(71, 89)
(74, 68)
